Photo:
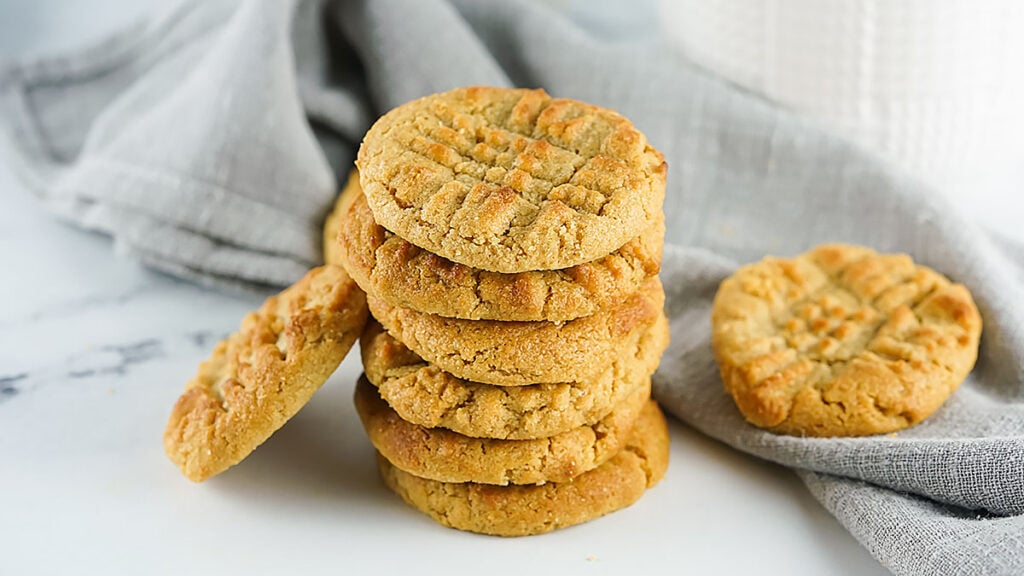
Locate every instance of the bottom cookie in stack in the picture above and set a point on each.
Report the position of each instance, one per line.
(536, 509)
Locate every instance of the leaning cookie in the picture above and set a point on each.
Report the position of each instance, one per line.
(511, 180)
(842, 341)
(525, 510)
(402, 274)
(445, 456)
(260, 376)
(523, 353)
(423, 394)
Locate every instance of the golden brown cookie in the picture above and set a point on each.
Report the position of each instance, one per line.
(446, 456)
(525, 510)
(523, 353)
(260, 376)
(401, 274)
(842, 341)
(423, 394)
(511, 180)
(332, 225)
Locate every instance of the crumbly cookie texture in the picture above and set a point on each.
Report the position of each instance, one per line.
(403, 274)
(332, 225)
(446, 456)
(423, 394)
(523, 353)
(842, 341)
(511, 180)
(525, 510)
(260, 376)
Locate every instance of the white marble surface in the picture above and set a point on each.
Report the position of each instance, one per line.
(94, 349)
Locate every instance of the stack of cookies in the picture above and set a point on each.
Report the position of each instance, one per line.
(509, 245)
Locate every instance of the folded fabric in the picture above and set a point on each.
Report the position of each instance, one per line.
(193, 140)
(186, 139)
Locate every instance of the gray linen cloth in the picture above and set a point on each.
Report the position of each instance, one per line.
(208, 142)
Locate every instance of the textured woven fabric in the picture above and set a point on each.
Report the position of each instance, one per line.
(209, 140)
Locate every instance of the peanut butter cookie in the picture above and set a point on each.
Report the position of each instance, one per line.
(842, 341)
(523, 353)
(511, 180)
(525, 510)
(332, 225)
(260, 376)
(443, 455)
(401, 274)
(423, 394)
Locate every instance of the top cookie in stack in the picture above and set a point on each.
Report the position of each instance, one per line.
(511, 180)
(509, 243)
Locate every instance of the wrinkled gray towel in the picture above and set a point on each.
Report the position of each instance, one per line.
(204, 143)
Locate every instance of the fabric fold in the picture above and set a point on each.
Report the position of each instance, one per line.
(163, 142)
